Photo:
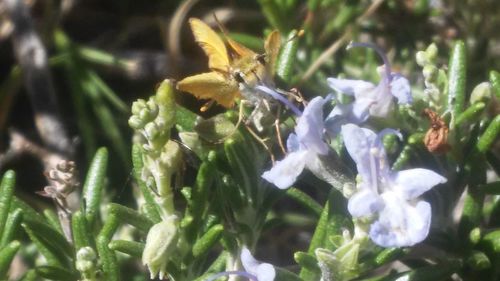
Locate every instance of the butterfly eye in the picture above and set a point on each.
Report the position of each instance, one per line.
(261, 58)
(238, 76)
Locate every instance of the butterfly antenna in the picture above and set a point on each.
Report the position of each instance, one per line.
(220, 25)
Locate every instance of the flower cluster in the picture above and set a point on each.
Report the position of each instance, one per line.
(387, 199)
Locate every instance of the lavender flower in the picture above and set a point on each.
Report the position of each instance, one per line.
(369, 99)
(303, 146)
(254, 270)
(389, 197)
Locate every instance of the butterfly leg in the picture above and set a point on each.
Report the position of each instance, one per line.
(262, 142)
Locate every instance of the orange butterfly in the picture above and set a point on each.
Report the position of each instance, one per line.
(228, 70)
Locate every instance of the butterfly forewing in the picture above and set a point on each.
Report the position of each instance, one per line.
(211, 85)
(211, 44)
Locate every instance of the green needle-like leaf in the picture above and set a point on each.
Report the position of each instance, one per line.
(94, 185)
(6, 193)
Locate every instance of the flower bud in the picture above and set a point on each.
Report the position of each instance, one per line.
(160, 245)
(481, 93)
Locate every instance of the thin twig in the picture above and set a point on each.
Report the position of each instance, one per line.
(32, 58)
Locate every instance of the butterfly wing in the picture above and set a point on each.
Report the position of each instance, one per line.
(272, 47)
(212, 45)
(211, 85)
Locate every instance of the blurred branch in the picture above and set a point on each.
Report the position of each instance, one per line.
(32, 58)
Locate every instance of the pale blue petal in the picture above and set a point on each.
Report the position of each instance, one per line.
(355, 113)
(364, 203)
(358, 142)
(348, 86)
(284, 173)
(420, 218)
(310, 127)
(401, 224)
(383, 100)
(292, 143)
(414, 182)
(400, 88)
(263, 271)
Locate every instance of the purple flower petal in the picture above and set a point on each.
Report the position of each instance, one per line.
(364, 203)
(285, 172)
(292, 143)
(400, 88)
(414, 182)
(358, 142)
(310, 127)
(401, 224)
(263, 271)
(348, 86)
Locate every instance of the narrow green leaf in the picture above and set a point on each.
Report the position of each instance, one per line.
(495, 82)
(56, 273)
(130, 216)
(490, 135)
(94, 184)
(7, 254)
(478, 261)
(53, 219)
(433, 272)
(11, 226)
(131, 248)
(6, 193)
(110, 268)
(471, 114)
(30, 275)
(287, 58)
(108, 93)
(204, 180)
(491, 241)
(389, 255)
(150, 206)
(105, 116)
(307, 262)
(491, 188)
(217, 266)
(317, 240)
(47, 239)
(456, 78)
(203, 245)
(474, 200)
(28, 211)
(305, 200)
(285, 275)
(274, 15)
(52, 256)
(82, 237)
